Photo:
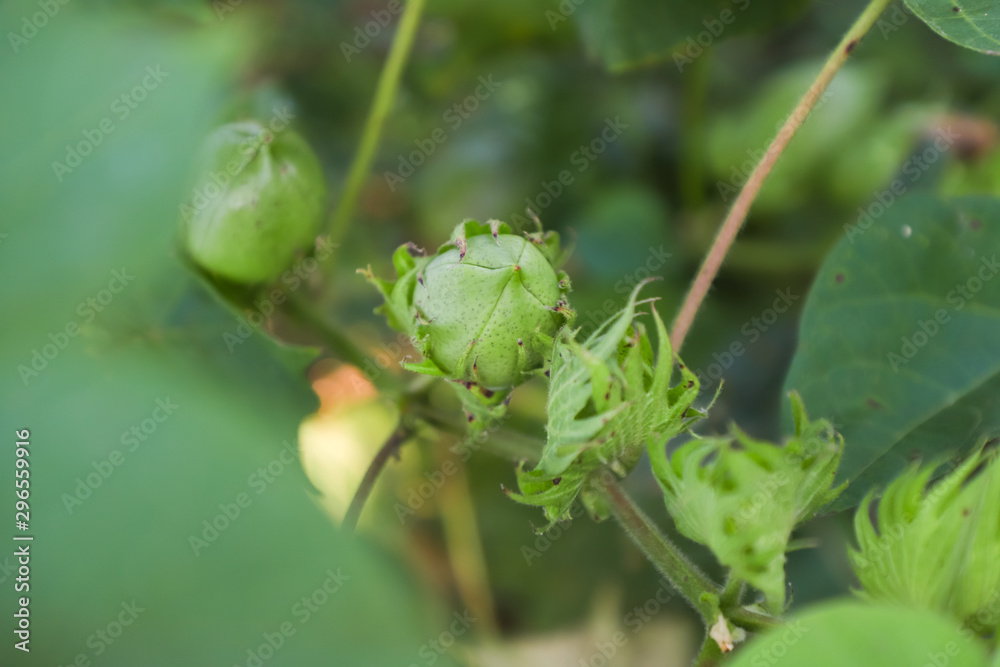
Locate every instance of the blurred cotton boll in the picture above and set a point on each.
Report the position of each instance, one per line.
(338, 442)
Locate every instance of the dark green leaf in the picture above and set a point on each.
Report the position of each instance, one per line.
(965, 22)
(628, 33)
(898, 338)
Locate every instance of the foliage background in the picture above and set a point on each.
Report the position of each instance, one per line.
(656, 186)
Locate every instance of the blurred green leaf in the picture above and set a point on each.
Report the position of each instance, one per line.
(738, 137)
(851, 633)
(629, 33)
(172, 522)
(965, 22)
(897, 343)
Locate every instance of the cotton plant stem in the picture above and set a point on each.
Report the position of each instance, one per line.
(392, 444)
(738, 213)
(732, 593)
(505, 443)
(685, 576)
(751, 621)
(457, 509)
(338, 342)
(709, 655)
(385, 94)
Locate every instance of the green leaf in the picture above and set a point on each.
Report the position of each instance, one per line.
(850, 633)
(965, 22)
(897, 342)
(148, 434)
(629, 33)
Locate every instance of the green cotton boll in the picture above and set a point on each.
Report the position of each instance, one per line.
(259, 200)
(936, 547)
(482, 311)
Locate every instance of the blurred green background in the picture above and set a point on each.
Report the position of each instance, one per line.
(209, 518)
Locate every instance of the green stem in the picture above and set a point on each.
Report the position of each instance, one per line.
(402, 433)
(339, 343)
(385, 94)
(738, 213)
(684, 575)
(710, 653)
(732, 593)
(751, 621)
(505, 443)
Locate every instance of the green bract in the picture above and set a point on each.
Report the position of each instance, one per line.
(482, 310)
(939, 548)
(609, 397)
(743, 497)
(259, 199)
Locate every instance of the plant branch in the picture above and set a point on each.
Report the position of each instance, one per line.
(685, 576)
(738, 213)
(732, 593)
(505, 443)
(402, 433)
(385, 93)
(710, 654)
(338, 342)
(751, 621)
